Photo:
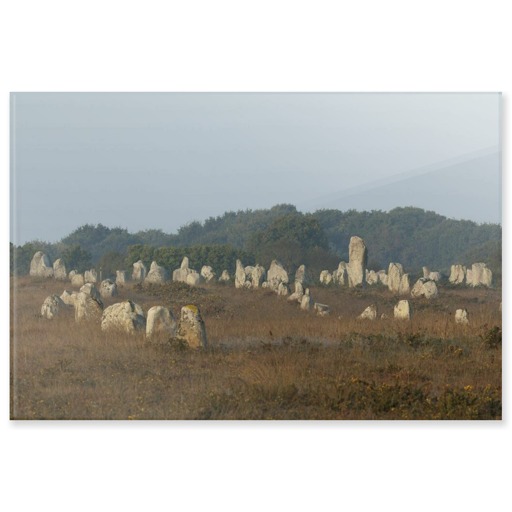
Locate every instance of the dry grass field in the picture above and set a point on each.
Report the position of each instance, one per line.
(266, 359)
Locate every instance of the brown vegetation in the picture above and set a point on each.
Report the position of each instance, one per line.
(266, 359)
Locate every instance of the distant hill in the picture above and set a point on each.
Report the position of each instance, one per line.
(411, 236)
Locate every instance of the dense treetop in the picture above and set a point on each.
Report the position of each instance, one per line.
(411, 236)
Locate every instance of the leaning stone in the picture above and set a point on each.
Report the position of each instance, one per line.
(51, 306)
(207, 273)
(40, 265)
(124, 316)
(108, 288)
(403, 310)
(461, 317)
(91, 290)
(160, 324)
(192, 329)
(370, 313)
(59, 270)
(87, 308)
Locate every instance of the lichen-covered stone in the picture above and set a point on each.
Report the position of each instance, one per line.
(51, 307)
(59, 270)
(124, 316)
(191, 328)
(40, 265)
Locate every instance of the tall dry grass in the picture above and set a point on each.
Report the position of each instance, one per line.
(266, 360)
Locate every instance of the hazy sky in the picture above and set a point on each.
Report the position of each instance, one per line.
(148, 160)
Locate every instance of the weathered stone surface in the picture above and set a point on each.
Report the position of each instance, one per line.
(157, 274)
(240, 275)
(282, 290)
(121, 277)
(255, 275)
(403, 310)
(72, 273)
(469, 277)
(192, 329)
(480, 275)
(372, 277)
(207, 273)
(405, 285)
(51, 306)
(457, 274)
(383, 277)
(139, 271)
(276, 275)
(87, 308)
(301, 276)
(357, 261)
(298, 293)
(340, 275)
(193, 278)
(325, 277)
(435, 276)
(108, 288)
(426, 272)
(305, 303)
(461, 316)
(91, 290)
(395, 273)
(160, 324)
(40, 265)
(424, 288)
(68, 298)
(59, 270)
(123, 316)
(224, 277)
(370, 313)
(181, 274)
(91, 276)
(77, 280)
(322, 309)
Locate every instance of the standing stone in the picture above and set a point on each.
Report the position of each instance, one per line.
(156, 274)
(469, 277)
(40, 265)
(282, 290)
(457, 274)
(300, 275)
(395, 273)
(120, 277)
(181, 273)
(435, 276)
(325, 277)
(340, 275)
(461, 317)
(405, 285)
(372, 277)
(383, 277)
(370, 313)
(59, 270)
(298, 293)
(87, 308)
(239, 275)
(91, 276)
(192, 329)
(424, 288)
(160, 324)
(305, 302)
(108, 288)
(124, 316)
(207, 273)
(480, 275)
(139, 271)
(256, 275)
(357, 261)
(77, 279)
(224, 277)
(402, 310)
(276, 275)
(51, 306)
(68, 298)
(91, 290)
(426, 272)
(193, 278)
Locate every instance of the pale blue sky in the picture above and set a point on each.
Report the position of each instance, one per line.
(159, 160)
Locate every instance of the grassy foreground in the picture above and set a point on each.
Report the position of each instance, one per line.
(266, 359)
